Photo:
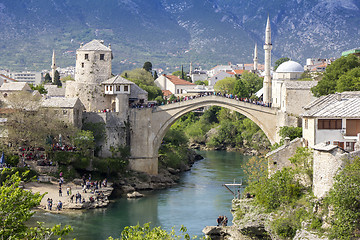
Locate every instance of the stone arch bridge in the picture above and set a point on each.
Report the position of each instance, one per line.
(149, 125)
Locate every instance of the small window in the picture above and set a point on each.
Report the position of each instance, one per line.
(86, 56)
(306, 123)
(126, 88)
(107, 88)
(118, 88)
(64, 112)
(110, 88)
(82, 65)
(102, 56)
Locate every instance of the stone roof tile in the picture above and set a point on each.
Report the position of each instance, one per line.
(345, 104)
(94, 45)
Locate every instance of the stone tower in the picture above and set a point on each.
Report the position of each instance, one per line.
(53, 67)
(267, 78)
(255, 58)
(93, 66)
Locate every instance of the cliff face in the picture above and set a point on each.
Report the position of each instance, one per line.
(175, 32)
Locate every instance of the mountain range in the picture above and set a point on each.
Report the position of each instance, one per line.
(171, 33)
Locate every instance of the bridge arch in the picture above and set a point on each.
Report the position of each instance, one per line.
(264, 117)
(149, 126)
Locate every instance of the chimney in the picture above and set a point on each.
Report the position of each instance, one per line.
(287, 141)
(109, 45)
(338, 96)
(102, 41)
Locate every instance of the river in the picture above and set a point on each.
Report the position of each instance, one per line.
(195, 202)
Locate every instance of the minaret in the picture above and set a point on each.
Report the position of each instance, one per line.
(255, 58)
(53, 67)
(267, 78)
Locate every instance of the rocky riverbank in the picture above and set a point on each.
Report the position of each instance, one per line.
(167, 177)
(129, 183)
(251, 222)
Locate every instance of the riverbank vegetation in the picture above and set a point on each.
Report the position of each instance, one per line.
(16, 206)
(145, 232)
(285, 203)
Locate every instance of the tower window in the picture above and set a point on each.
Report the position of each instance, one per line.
(118, 88)
(126, 88)
(82, 65)
(102, 56)
(86, 56)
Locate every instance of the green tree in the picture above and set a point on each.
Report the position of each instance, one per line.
(144, 80)
(182, 72)
(85, 141)
(147, 66)
(303, 160)
(344, 199)
(16, 206)
(225, 85)
(145, 232)
(349, 81)
(39, 88)
(199, 82)
(290, 132)
(57, 79)
(67, 78)
(155, 75)
(248, 84)
(329, 83)
(47, 78)
(177, 73)
(280, 61)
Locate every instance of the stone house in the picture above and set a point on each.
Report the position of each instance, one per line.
(334, 119)
(67, 109)
(174, 84)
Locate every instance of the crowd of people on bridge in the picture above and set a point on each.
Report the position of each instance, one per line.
(187, 98)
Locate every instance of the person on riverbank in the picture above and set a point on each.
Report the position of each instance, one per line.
(49, 201)
(78, 197)
(60, 192)
(59, 205)
(219, 220)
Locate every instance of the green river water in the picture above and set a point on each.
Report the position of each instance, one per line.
(195, 202)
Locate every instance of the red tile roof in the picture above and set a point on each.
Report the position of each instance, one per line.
(239, 71)
(178, 81)
(8, 78)
(166, 93)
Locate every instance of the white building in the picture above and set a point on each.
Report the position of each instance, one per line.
(173, 84)
(290, 94)
(28, 77)
(333, 119)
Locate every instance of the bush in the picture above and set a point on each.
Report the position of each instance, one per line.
(285, 228)
(344, 198)
(280, 188)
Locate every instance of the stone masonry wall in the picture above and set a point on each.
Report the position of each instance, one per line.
(279, 158)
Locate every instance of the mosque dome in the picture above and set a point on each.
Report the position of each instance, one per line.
(290, 66)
